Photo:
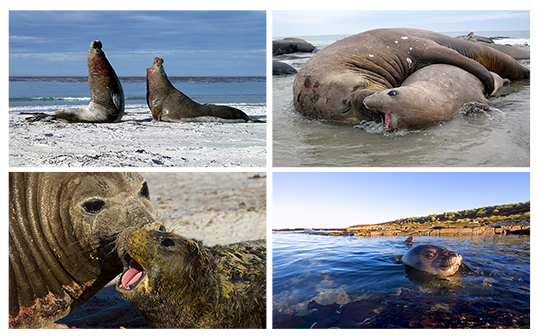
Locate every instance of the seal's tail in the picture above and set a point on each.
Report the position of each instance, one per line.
(37, 116)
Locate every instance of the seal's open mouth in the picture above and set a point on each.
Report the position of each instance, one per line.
(130, 278)
(386, 120)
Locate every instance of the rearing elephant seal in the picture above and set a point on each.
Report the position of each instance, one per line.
(432, 94)
(177, 282)
(333, 83)
(169, 104)
(107, 101)
(63, 229)
(433, 259)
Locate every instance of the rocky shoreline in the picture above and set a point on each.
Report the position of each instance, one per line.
(519, 227)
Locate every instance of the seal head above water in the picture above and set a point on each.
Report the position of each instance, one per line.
(432, 259)
(107, 102)
(63, 231)
(177, 282)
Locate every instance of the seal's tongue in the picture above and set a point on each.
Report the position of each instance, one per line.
(132, 275)
(387, 120)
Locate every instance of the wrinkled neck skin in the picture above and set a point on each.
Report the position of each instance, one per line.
(65, 255)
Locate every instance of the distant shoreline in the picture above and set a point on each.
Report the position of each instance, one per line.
(517, 227)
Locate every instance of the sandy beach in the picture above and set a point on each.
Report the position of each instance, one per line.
(217, 208)
(137, 141)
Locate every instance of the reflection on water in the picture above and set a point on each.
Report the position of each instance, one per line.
(357, 282)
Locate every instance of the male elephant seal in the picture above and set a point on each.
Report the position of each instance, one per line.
(177, 282)
(333, 83)
(169, 104)
(433, 259)
(107, 101)
(432, 94)
(63, 229)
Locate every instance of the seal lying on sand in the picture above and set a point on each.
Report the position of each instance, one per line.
(177, 282)
(63, 229)
(169, 104)
(433, 259)
(107, 101)
(333, 83)
(432, 94)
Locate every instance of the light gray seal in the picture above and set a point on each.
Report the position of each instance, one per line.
(435, 93)
(107, 102)
(63, 234)
(432, 259)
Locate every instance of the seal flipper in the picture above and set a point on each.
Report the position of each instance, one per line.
(445, 55)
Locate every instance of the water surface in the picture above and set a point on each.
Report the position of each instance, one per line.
(358, 282)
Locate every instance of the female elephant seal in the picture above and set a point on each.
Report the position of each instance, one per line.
(63, 229)
(333, 83)
(177, 282)
(169, 104)
(433, 259)
(432, 94)
(107, 101)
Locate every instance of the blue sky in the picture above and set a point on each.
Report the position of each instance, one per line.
(345, 22)
(192, 43)
(336, 200)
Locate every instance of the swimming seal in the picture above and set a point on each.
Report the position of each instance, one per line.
(433, 259)
(63, 229)
(178, 282)
(333, 83)
(432, 94)
(107, 102)
(169, 104)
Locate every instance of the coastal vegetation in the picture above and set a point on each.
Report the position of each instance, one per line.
(497, 219)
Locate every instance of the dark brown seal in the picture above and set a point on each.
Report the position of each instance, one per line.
(169, 104)
(177, 282)
(63, 229)
(290, 45)
(435, 93)
(333, 83)
(107, 101)
(432, 259)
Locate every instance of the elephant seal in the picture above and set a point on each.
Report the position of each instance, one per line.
(107, 101)
(281, 68)
(515, 52)
(290, 45)
(169, 104)
(63, 230)
(432, 94)
(178, 282)
(432, 259)
(333, 83)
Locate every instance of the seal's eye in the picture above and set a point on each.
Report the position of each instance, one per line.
(392, 93)
(93, 206)
(167, 242)
(145, 190)
(429, 254)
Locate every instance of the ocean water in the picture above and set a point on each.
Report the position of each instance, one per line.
(358, 282)
(49, 94)
(498, 137)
